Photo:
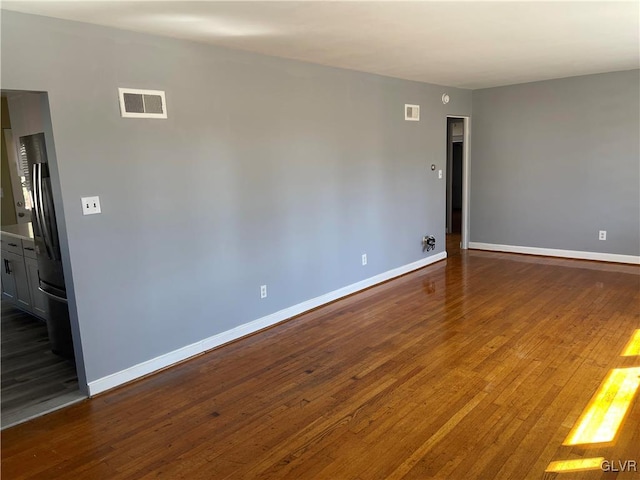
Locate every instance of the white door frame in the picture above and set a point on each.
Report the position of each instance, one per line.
(466, 160)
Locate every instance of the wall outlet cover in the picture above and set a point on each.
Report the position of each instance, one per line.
(90, 205)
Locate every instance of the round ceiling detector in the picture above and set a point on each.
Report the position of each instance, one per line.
(445, 98)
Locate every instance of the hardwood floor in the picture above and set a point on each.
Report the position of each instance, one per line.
(453, 244)
(477, 367)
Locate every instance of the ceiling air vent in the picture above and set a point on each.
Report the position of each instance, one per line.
(136, 103)
(412, 112)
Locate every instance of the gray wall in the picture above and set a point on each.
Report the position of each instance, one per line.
(554, 162)
(26, 113)
(267, 171)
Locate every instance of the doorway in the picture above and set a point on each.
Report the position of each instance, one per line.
(457, 184)
(39, 371)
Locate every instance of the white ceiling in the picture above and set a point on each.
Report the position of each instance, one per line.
(462, 44)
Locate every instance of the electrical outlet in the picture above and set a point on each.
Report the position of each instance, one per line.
(90, 205)
(439, 173)
(263, 291)
(602, 235)
(364, 259)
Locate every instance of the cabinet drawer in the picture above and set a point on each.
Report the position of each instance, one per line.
(11, 244)
(29, 248)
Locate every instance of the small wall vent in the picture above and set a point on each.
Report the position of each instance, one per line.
(135, 103)
(412, 112)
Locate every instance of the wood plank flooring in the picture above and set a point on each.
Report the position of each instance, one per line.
(473, 368)
(34, 379)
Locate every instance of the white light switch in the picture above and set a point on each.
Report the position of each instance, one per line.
(90, 205)
(439, 173)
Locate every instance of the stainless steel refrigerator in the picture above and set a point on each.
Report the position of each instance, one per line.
(45, 230)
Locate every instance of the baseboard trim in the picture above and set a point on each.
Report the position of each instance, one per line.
(552, 252)
(163, 361)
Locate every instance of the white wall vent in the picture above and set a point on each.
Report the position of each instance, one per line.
(135, 103)
(412, 112)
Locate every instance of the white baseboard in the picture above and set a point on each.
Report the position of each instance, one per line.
(552, 252)
(175, 356)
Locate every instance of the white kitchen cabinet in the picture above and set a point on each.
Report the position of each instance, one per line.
(8, 281)
(20, 279)
(15, 284)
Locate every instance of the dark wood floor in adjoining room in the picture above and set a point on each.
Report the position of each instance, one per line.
(34, 379)
(473, 368)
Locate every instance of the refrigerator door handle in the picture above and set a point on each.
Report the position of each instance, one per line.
(51, 295)
(36, 208)
(39, 206)
(49, 221)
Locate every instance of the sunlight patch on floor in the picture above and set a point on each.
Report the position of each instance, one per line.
(633, 347)
(575, 465)
(603, 416)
